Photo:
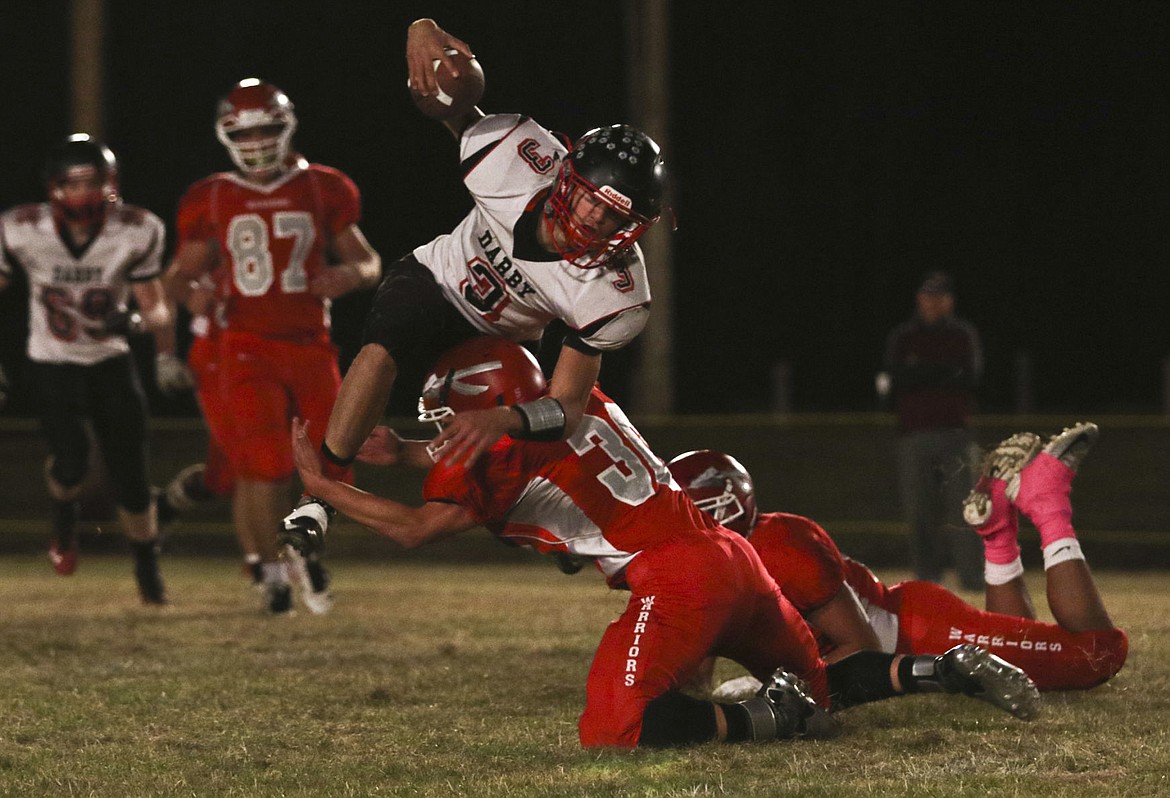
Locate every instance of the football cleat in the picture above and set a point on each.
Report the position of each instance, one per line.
(304, 528)
(782, 709)
(311, 579)
(973, 671)
(1072, 444)
(64, 560)
(150, 583)
(279, 598)
(1004, 462)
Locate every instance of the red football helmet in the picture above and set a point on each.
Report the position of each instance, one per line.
(719, 486)
(81, 158)
(480, 374)
(253, 105)
(621, 171)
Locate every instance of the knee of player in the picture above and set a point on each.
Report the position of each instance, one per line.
(673, 719)
(1113, 645)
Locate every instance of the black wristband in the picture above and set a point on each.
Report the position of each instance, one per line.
(331, 457)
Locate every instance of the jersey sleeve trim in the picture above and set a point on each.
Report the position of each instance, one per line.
(469, 163)
(152, 251)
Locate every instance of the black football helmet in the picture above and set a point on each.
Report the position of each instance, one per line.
(253, 104)
(719, 486)
(81, 156)
(621, 168)
(479, 374)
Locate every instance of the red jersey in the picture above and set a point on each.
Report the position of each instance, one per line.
(601, 494)
(272, 239)
(801, 557)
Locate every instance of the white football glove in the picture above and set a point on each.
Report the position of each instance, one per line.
(172, 375)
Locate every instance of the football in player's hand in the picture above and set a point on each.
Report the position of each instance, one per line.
(457, 95)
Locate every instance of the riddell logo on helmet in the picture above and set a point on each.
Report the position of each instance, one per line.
(616, 197)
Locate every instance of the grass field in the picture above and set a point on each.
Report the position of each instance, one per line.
(438, 679)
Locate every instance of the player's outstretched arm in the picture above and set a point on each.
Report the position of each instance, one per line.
(405, 525)
(385, 447)
(572, 382)
(357, 266)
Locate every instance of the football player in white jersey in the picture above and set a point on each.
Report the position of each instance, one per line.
(551, 236)
(84, 253)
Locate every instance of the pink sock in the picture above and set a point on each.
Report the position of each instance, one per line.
(1000, 531)
(1044, 487)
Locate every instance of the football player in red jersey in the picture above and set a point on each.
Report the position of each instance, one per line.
(85, 253)
(280, 236)
(696, 588)
(552, 235)
(851, 609)
(213, 478)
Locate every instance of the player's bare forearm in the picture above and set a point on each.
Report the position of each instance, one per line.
(843, 621)
(357, 265)
(572, 381)
(460, 123)
(385, 447)
(405, 525)
(361, 400)
(193, 260)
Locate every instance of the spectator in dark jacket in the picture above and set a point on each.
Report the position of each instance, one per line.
(933, 362)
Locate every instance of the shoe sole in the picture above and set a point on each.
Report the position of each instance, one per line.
(1005, 462)
(1004, 685)
(1072, 444)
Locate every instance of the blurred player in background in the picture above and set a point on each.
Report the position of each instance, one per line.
(85, 253)
(696, 588)
(213, 478)
(552, 235)
(852, 610)
(280, 237)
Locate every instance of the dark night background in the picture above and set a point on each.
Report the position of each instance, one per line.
(824, 156)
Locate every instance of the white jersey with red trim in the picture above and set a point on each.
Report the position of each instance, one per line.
(601, 494)
(72, 289)
(490, 266)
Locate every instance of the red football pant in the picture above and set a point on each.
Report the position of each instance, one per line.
(932, 620)
(263, 384)
(690, 600)
(203, 358)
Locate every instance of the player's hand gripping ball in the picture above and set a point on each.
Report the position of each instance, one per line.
(457, 95)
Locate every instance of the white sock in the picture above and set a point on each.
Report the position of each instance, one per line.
(275, 572)
(1000, 574)
(1062, 550)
